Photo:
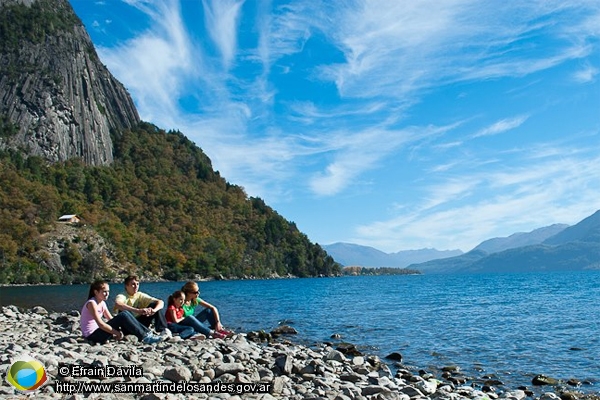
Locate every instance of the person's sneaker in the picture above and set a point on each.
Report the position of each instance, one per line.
(151, 338)
(198, 336)
(166, 334)
(226, 333)
(218, 335)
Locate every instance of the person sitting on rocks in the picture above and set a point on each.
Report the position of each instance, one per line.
(175, 316)
(144, 307)
(95, 329)
(208, 314)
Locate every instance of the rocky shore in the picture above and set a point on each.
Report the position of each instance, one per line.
(247, 362)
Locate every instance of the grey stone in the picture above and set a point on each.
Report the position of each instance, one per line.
(284, 363)
(228, 368)
(39, 310)
(336, 355)
(284, 330)
(178, 374)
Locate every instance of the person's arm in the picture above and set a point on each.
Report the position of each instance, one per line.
(93, 308)
(157, 307)
(120, 304)
(218, 325)
(143, 298)
(172, 315)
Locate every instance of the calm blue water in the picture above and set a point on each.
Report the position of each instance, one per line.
(511, 325)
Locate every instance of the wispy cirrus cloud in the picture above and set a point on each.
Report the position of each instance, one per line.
(502, 126)
(155, 65)
(395, 49)
(586, 74)
(476, 201)
(222, 21)
(354, 153)
(284, 29)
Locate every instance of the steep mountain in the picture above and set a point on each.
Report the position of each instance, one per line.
(520, 239)
(573, 248)
(356, 255)
(149, 200)
(571, 256)
(59, 99)
(587, 230)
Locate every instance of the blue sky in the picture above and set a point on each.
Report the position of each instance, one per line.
(392, 124)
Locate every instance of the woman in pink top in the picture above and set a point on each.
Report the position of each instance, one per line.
(95, 329)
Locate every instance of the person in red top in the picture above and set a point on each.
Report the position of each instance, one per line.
(174, 315)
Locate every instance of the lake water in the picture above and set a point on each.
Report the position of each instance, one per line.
(512, 325)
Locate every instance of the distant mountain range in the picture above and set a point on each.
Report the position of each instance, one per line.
(575, 247)
(520, 239)
(555, 247)
(349, 254)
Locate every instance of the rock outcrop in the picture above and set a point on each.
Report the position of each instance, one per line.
(60, 99)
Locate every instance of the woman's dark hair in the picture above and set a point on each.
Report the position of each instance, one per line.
(96, 285)
(176, 294)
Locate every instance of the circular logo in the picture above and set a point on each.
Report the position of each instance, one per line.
(26, 374)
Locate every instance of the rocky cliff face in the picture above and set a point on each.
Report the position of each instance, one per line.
(63, 101)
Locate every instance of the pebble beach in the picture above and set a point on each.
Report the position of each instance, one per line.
(248, 365)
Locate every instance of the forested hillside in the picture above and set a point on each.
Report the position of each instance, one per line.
(150, 203)
(161, 206)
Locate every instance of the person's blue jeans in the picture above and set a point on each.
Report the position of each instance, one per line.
(183, 331)
(207, 315)
(160, 323)
(197, 325)
(123, 321)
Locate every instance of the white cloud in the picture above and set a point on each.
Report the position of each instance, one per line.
(222, 19)
(154, 65)
(397, 48)
(356, 152)
(559, 189)
(586, 74)
(392, 50)
(502, 126)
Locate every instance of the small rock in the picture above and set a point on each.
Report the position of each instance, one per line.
(568, 396)
(549, 396)
(540, 380)
(348, 349)
(39, 310)
(394, 357)
(285, 364)
(284, 330)
(336, 355)
(178, 374)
